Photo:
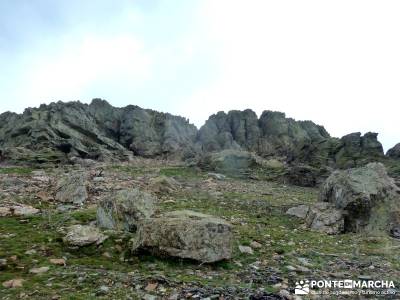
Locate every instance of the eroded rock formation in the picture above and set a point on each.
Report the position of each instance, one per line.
(58, 131)
(61, 132)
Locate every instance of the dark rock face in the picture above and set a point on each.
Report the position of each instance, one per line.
(273, 134)
(55, 132)
(61, 132)
(355, 150)
(303, 175)
(294, 141)
(230, 131)
(149, 133)
(394, 152)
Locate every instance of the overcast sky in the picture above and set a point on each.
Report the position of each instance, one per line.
(334, 62)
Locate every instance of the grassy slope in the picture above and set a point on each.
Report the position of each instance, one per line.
(256, 216)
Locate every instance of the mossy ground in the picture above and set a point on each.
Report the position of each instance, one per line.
(256, 210)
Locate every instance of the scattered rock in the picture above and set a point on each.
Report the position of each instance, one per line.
(38, 271)
(58, 261)
(72, 189)
(304, 261)
(3, 263)
(186, 234)
(98, 179)
(82, 235)
(83, 162)
(13, 283)
(300, 211)
(285, 294)
(24, 210)
(291, 268)
(31, 252)
(65, 207)
(125, 209)
(255, 245)
(151, 286)
(18, 210)
(13, 258)
(395, 232)
(246, 249)
(149, 297)
(5, 211)
(320, 216)
(216, 176)
(103, 290)
(164, 185)
(324, 217)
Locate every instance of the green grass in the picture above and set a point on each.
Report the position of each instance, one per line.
(15, 170)
(184, 172)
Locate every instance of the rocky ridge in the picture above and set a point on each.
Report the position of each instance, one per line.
(60, 131)
(274, 135)
(67, 132)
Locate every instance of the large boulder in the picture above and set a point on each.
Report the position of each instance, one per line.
(394, 152)
(367, 196)
(186, 234)
(124, 209)
(71, 188)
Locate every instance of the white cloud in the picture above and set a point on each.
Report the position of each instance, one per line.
(336, 63)
(90, 59)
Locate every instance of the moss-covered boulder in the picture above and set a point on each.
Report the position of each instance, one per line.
(368, 197)
(72, 188)
(186, 234)
(124, 209)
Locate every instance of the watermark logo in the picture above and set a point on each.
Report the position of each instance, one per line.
(302, 287)
(345, 287)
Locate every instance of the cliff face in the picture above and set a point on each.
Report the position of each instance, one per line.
(394, 152)
(59, 131)
(294, 141)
